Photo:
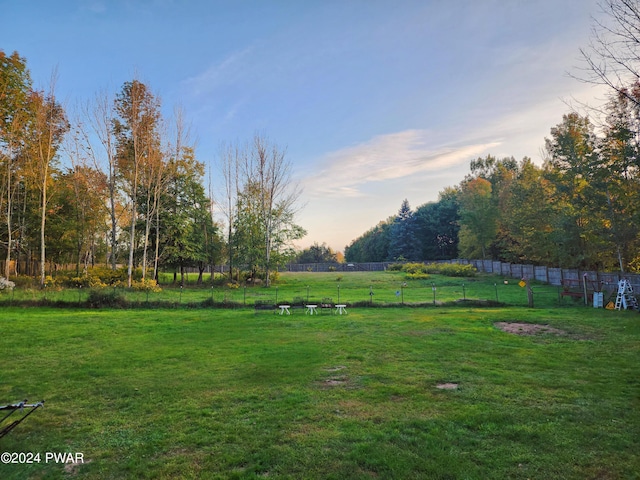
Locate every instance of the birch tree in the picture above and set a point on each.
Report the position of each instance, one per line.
(15, 88)
(276, 197)
(136, 129)
(100, 114)
(49, 127)
(232, 157)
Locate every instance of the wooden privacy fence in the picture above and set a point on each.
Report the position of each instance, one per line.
(554, 276)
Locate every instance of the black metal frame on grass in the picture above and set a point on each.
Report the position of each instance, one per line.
(12, 409)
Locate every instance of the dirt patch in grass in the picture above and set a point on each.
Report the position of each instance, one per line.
(529, 329)
(72, 468)
(447, 386)
(335, 382)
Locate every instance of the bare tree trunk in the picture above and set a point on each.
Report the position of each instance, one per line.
(51, 124)
(100, 115)
(231, 158)
(157, 252)
(147, 231)
(132, 231)
(43, 218)
(7, 269)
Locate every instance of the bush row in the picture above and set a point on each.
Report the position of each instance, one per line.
(422, 271)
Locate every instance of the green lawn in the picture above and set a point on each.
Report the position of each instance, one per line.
(377, 288)
(232, 394)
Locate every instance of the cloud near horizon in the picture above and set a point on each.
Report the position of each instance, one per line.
(388, 157)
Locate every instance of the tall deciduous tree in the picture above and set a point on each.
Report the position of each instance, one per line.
(260, 205)
(617, 178)
(49, 127)
(572, 164)
(79, 216)
(100, 114)
(526, 218)
(612, 58)
(138, 144)
(232, 157)
(478, 217)
(276, 196)
(15, 117)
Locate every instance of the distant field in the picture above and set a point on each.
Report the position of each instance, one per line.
(376, 288)
(380, 393)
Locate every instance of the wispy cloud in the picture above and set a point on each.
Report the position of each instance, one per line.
(223, 72)
(393, 156)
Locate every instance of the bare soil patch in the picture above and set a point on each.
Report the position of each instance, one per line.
(447, 386)
(334, 382)
(529, 329)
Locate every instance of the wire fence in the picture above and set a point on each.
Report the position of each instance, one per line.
(411, 293)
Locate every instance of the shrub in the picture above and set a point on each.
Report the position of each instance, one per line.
(106, 298)
(454, 269)
(95, 277)
(145, 285)
(413, 268)
(395, 267)
(421, 270)
(107, 276)
(23, 281)
(417, 276)
(51, 283)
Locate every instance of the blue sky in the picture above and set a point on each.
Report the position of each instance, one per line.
(375, 100)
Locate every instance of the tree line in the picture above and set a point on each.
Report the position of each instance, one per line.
(116, 182)
(579, 209)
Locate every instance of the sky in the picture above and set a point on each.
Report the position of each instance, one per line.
(374, 101)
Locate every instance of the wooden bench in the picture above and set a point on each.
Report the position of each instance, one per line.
(326, 305)
(578, 292)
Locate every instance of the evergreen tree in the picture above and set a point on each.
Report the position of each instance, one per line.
(404, 243)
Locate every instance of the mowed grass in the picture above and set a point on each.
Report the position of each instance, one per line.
(233, 394)
(360, 288)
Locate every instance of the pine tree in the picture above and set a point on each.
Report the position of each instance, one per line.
(404, 244)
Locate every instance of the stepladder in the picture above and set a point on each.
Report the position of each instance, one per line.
(625, 298)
